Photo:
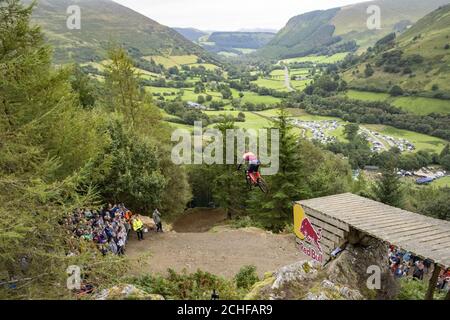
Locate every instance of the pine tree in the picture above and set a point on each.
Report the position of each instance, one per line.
(388, 189)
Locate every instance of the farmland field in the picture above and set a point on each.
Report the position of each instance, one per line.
(423, 106)
(173, 61)
(317, 59)
(367, 96)
(271, 84)
(416, 105)
(252, 121)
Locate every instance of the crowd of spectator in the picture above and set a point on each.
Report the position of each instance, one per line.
(404, 264)
(108, 228)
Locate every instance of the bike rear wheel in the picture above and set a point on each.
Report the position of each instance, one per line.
(263, 186)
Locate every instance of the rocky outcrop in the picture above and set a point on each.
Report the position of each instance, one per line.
(344, 278)
(126, 292)
(351, 267)
(304, 280)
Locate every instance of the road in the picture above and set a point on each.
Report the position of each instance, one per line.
(287, 79)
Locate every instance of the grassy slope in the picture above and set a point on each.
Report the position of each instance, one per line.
(434, 33)
(351, 21)
(316, 29)
(104, 22)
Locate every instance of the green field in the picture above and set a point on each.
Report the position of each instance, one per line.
(271, 84)
(253, 97)
(317, 59)
(300, 84)
(252, 121)
(172, 61)
(277, 73)
(423, 106)
(442, 182)
(367, 96)
(416, 105)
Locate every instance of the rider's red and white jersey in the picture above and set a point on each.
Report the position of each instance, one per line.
(251, 158)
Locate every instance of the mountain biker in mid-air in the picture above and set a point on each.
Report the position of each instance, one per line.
(253, 164)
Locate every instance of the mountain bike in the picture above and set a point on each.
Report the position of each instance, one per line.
(255, 179)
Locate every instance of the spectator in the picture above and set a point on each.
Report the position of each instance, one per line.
(138, 226)
(157, 220)
(418, 270)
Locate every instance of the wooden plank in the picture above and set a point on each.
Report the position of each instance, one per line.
(441, 241)
(440, 235)
(435, 234)
(330, 220)
(378, 224)
(387, 230)
(330, 236)
(395, 236)
(328, 227)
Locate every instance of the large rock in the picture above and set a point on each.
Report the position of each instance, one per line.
(351, 266)
(126, 292)
(303, 280)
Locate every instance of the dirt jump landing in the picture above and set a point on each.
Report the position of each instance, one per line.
(222, 251)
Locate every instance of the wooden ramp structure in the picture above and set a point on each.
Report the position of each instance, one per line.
(339, 215)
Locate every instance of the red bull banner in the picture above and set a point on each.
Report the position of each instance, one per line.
(308, 236)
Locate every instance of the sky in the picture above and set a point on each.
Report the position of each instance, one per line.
(228, 15)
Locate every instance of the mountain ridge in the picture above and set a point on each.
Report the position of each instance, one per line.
(344, 29)
(104, 22)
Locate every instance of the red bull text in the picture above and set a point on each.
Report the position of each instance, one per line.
(308, 237)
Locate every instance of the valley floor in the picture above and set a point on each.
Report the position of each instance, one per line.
(221, 250)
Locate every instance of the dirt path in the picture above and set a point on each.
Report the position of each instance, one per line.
(222, 251)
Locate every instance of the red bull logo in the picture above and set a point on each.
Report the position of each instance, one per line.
(307, 233)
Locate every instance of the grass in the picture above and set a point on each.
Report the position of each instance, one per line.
(416, 105)
(317, 59)
(172, 61)
(208, 66)
(253, 97)
(277, 73)
(367, 96)
(271, 84)
(300, 84)
(442, 182)
(252, 121)
(423, 106)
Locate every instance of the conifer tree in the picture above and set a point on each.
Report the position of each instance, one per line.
(388, 188)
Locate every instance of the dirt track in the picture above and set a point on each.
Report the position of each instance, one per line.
(222, 251)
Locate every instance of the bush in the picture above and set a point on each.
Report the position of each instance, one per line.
(246, 277)
(245, 222)
(183, 286)
(396, 91)
(411, 289)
